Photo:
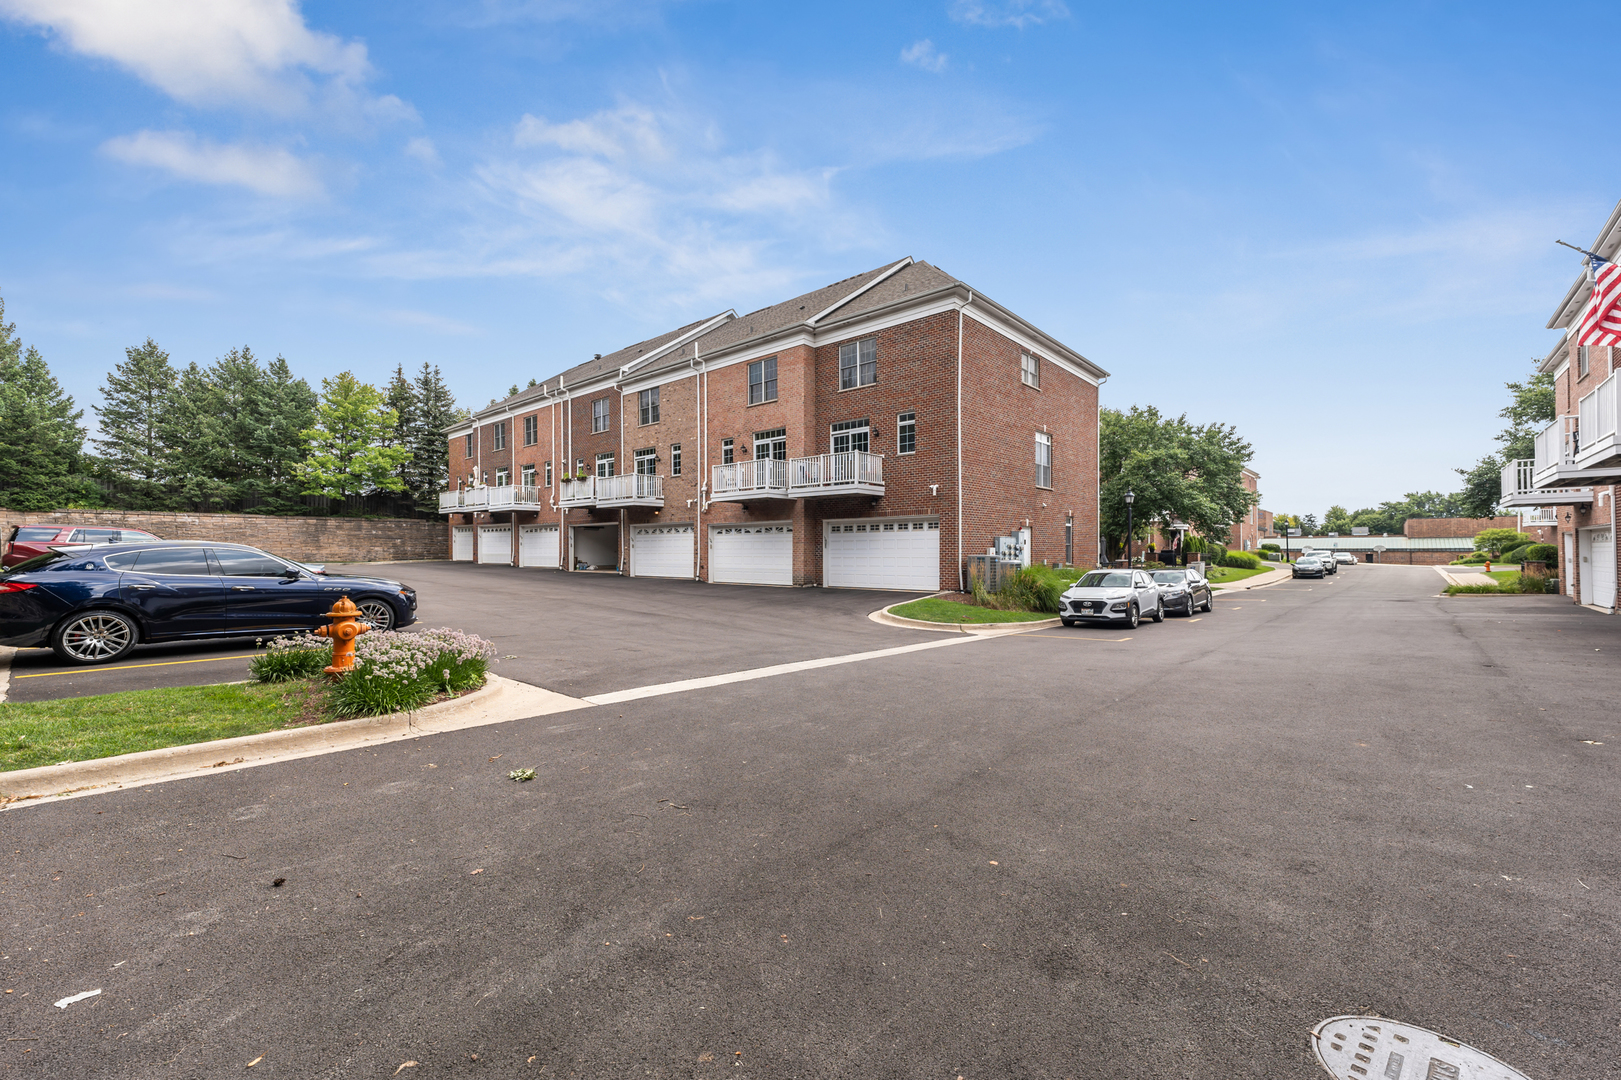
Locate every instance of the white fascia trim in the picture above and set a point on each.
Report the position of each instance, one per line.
(885, 317)
(1559, 354)
(676, 343)
(1573, 303)
(1045, 351)
(814, 319)
(745, 352)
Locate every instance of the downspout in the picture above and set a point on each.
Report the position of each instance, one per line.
(962, 565)
(700, 397)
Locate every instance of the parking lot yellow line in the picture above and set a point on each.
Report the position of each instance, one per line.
(131, 667)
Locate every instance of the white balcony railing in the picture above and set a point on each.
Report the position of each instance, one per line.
(503, 497)
(1596, 417)
(1556, 447)
(1542, 515)
(581, 492)
(851, 472)
(630, 489)
(760, 478)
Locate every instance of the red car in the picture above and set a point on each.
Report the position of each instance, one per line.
(26, 541)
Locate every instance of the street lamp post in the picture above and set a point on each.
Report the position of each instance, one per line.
(1131, 497)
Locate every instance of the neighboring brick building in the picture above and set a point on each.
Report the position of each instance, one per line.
(1469, 528)
(1571, 481)
(1247, 531)
(872, 433)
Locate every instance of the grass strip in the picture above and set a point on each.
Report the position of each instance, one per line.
(1219, 574)
(34, 733)
(934, 609)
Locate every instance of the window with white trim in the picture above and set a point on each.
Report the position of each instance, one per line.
(528, 476)
(850, 435)
(501, 435)
(1044, 459)
(763, 380)
(503, 476)
(906, 433)
(675, 459)
(648, 406)
(1582, 361)
(1029, 370)
(647, 461)
(548, 474)
(531, 430)
(726, 452)
(579, 466)
(599, 415)
(467, 450)
(771, 444)
(605, 464)
(858, 363)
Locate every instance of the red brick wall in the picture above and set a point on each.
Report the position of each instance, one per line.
(1454, 528)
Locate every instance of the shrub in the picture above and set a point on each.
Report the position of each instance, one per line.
(303, 656)
(1547, 553)
(396, 671)
(1514, 554)
(1152, 565)
(1240, 560)
(1035, 588)
(1271, 547)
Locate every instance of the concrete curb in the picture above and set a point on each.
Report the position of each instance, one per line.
(6, 653)
(1271, 577)
(499, 701)
(882, 615)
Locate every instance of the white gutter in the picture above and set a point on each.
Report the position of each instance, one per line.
(671, 346)
(814, 319)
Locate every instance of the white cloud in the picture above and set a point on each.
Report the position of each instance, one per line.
(265, 169)
(1016, 13)
(924, 55)
(423, 150)
(630, 130)
(253, 53)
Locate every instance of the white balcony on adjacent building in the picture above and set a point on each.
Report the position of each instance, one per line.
(1596, 420)
(853, 472)
(1544, 515)
(1519, 490)
(762, 478)
(630, 489)
(581, 492)
(501, 497)
(1555, 465)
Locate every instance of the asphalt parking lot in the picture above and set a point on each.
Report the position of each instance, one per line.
(1051, 854)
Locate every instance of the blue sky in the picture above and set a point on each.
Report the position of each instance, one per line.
(1330, 225)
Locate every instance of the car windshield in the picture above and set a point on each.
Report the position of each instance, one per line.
(1103, 579)
(38, 562)
(1170, 577)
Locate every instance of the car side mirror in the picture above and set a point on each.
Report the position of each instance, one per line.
(292, 573)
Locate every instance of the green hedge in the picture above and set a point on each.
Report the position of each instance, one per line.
(1548, 553)
(1240, 560)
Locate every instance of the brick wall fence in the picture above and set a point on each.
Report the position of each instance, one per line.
(307, 539)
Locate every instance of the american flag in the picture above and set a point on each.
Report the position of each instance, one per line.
(1601, 322)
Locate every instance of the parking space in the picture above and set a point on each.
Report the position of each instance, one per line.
(40, 675)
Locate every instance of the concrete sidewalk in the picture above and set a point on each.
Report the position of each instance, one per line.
(1271, 577)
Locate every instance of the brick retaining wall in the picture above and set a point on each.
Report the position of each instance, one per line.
(308, 539)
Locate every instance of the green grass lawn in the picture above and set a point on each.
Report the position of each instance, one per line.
(933, 609)
(1504, 577)
(1220, 574)
(79, 729)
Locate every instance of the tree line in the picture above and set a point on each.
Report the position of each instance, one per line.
(236, 434)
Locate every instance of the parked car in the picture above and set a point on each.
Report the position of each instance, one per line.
(26, 541)
(1344, 558)
(1309, 566)
(1184, 590)
(1112, 596)
(1326, 558)
(93, 605)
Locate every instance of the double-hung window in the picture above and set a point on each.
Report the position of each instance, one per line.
(851, 435)
(763, 380)
(599, 414)
(605, 464)
(548, 474)
(1044, 459)
(726, 453)
(906, 433)
(771, 444)
(647, 461)
(467, 450)
(501, 435)
(675, 459)
(858, 363)
(503, 476)
(648, 403)
(531, 430)
(1582, 361)
(1030, 370)
(528, 476)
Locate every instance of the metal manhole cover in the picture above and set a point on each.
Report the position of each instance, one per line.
(1374, 1048)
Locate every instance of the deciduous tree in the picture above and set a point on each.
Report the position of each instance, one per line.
(1178, 472)
(348, 454)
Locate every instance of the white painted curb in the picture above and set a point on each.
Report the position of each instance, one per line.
(882, 615)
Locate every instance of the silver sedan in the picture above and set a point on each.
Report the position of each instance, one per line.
(1112, 596)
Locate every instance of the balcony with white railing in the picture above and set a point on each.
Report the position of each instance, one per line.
(853, 472)
(630, 489)
(501, 497)
(581, 492)
(1543, 515)
(1520, 490)
(762, 478)
(1597, 422)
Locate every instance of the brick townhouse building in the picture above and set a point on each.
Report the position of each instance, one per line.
(872, 433)
(1246, 533)
(1569, 484)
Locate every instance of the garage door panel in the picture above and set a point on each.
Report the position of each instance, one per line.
(878, 553)
(461, 543)
(661, 551)
(495, 545)
(752, 554)
(538, 545)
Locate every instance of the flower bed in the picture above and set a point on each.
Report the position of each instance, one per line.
(394, 671)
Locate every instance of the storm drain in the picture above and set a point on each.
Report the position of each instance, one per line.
(1374, 1048)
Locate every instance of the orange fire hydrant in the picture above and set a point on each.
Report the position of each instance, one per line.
(346, 626)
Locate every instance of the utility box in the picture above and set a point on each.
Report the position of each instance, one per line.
(990, 570)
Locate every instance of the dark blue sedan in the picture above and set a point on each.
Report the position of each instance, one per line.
(95, 605)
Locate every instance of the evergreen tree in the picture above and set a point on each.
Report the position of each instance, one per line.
(346, 451)
(401, 396)
(289, 411)
(137, 397)
(40, 437)
(429, 468)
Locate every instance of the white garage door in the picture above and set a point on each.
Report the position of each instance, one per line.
(882, 553)
(461, 543)
(752, 554)
(495, 544)
(661, 551)
(1603, 568)
(537, 546)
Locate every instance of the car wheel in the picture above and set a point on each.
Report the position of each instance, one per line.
(94, 637)
(1209, 603)
(1159, 612)
(1132, 617)
(378, 613)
